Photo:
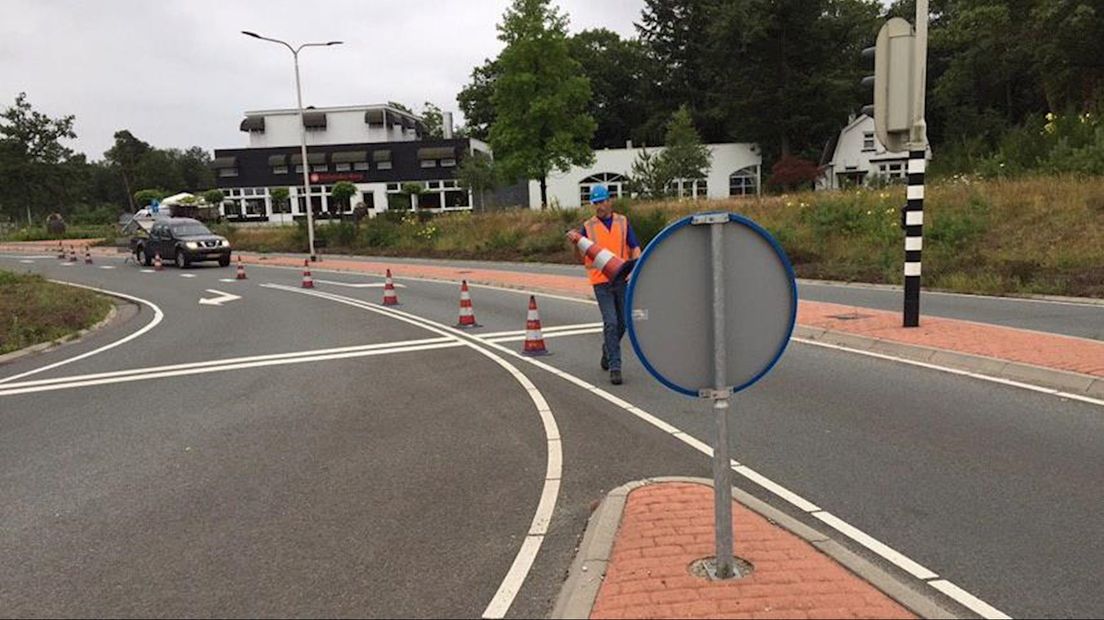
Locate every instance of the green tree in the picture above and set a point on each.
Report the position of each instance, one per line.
(342, 192)
(476, 100)
(411, 191)
(279, 197)
(540, 97)
(214, 197)
(145, 197)
(619, 72)
(432, 117)
(124, 156)
(33, 161)
(650, 176)
(685, 157)
(477, 174)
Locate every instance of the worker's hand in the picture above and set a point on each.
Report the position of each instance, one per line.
(573, 236)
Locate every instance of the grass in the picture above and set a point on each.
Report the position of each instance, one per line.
(33, 310)
(39, 233)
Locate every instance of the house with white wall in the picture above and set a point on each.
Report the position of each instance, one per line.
(736, 170)
(857, 156)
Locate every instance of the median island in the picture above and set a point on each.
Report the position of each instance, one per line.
(34, 310)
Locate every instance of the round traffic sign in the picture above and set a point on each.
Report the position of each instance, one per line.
(314, 177)
(669, 304)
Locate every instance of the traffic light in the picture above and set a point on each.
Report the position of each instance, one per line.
(892, 83)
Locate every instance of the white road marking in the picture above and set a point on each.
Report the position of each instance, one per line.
(359, 285)
(546, 334)
(219, 299)
(868, 541)
(228, 279)
(523, 561)
(132, 376)
(232, 362)
(157, 317)
(149, 271)
(107, 266)
(27, 262)
(187, 275)
(546, 329)
(978, 606)
(67, 264)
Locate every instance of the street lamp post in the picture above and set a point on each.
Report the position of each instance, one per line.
(302, 129)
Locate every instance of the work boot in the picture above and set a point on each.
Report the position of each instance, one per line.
(605, 361)
(615, 377)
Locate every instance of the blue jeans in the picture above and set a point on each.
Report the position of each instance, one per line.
(611, 301)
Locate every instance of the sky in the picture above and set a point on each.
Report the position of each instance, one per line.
(179, 73)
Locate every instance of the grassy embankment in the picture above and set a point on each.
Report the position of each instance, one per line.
(33, 310)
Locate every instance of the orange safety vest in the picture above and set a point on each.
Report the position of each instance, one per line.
(615, 239)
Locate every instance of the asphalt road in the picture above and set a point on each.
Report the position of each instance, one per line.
(403, 483)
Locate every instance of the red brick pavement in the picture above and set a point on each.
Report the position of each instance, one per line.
(667, 526)
(1006, 343)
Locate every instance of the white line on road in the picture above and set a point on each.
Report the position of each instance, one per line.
(76, 382)
(868, 541)
(149, 271)
(107, 266)
(358, 285)
(27, 262)
(538, 529)
(978, 606)
(219, 299)
(228, 279)
(546, 334)
(157, 316)
(553, 328)
(187, 275)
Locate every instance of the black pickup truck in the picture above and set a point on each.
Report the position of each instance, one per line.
(181, 240)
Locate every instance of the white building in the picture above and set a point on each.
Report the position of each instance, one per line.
(735, 171)
(376, 147)
(857, 156)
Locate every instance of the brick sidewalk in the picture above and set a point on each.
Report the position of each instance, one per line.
(667, 526)
(1005, 343)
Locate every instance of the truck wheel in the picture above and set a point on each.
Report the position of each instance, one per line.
(224, 261)
(182, 261)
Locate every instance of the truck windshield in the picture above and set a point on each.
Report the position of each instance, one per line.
(190, 230)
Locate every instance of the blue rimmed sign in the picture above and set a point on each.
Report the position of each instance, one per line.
(670, 304)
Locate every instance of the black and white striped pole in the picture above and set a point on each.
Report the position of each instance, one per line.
(914, 235)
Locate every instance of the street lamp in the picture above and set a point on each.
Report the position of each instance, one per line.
(302, 128)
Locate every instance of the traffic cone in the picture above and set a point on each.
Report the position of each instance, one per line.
(389, 296)
(467, 315)
(157, 266)
(241, 270)
(534, 340)
(602, 259)
(87, 256)
(72, 254)
(61, 251)
(308, 282)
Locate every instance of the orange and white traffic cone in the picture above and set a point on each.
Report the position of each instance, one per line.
(61, 251)
(389, 296)
(157, 265)
(87, 256)
(308, 281)
(534, 340)
(72, 254)
(604, 260)
(467, 315)
(241, 270)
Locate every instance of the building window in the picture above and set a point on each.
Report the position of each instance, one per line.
(342, 167)
(744, 182)
(254, 207)
(362, 165)
(615, 183)
(868, 141)
(448, 163)
(894, 171)
(383, 165)
(444, 195)
(228, 172)
(429, 163)
(231, 208)
(396, 199)
(687, 188)
(279, 170)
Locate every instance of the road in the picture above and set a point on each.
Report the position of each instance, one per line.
(338, 458)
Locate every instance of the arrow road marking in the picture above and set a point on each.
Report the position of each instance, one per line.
(219, 300)
(361, 285)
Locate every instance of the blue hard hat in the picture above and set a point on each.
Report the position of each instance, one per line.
(599, 193)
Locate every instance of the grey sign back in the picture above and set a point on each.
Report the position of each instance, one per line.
(669, 303)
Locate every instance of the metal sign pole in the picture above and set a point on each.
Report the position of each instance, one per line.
(722, 469)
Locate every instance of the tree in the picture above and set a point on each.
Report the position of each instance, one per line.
(433, 119)
(619, 72)
(145, 197)
(124, 156)
(279, 197)
(342, 191)
(32, 159)
(214, 197)
(411, 191)
(650, 176)
(685, 157)
(477, 174)
(476, 100)
(540, 97)
(793, 173)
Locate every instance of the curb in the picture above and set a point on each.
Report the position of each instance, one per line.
(1059, 380)
(588, 569)
(64, 340)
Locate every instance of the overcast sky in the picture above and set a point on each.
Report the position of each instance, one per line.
(178, 73)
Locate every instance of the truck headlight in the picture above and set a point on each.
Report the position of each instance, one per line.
(192, 245)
